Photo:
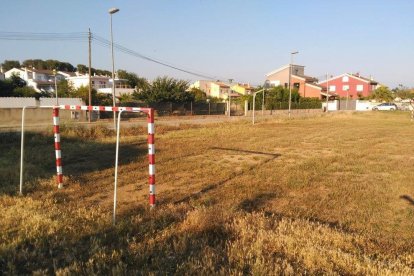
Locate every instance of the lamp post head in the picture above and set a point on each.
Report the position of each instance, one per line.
(294, 53)
(113, 10)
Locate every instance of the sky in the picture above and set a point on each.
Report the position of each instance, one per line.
(225, 39)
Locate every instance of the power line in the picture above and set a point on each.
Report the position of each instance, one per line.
(83, 36)
(78, 36)
(104, 42)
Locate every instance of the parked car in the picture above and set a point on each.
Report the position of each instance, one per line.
(386, 106)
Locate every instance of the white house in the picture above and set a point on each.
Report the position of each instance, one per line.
(44, 80)
(40, 80)
(102, 84)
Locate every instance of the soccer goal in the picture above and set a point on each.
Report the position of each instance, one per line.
(58, 152)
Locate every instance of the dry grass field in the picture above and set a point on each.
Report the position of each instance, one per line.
(332, 194)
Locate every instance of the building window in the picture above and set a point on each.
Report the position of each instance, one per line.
(360, 87)
(332, 88)
(345, 79)
(296, 85)
(345, 87)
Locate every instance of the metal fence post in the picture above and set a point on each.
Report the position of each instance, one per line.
(58, 151)
(151, 157)
(116, 164)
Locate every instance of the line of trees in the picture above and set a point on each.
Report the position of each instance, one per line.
(39, 64)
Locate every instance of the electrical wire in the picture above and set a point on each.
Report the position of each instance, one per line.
(106, 43)
(79, 36)
(83, 36)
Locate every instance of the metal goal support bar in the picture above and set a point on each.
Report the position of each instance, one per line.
(59, 167)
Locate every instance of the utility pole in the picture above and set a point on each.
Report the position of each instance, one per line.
(327, 92)
(230, 81)
(263, 99)
(90, 72)
(290, 79)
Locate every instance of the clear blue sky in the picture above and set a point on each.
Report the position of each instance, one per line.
(239, 39)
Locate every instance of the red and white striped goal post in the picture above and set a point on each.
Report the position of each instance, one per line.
(59, 167)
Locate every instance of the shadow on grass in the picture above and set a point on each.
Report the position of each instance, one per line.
(123, 247)
(257, 203)
(197, 195)
(408, 199)
(79, 156)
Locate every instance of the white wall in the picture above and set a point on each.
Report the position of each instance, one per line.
(13, 102)
(332, 105)
(62, 101)
(363, 105)
(20, 102)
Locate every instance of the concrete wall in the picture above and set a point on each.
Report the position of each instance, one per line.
(11, 111)
(332, 105)
(20, 102)
(13, 116)
(14, 102)
(364, 105)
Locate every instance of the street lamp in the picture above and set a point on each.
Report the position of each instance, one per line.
(111, 12)
(327, 92)
(229, 94)
(56, 91)
(290, 79)
(263, 100)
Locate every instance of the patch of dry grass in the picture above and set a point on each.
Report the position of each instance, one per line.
(326, 195)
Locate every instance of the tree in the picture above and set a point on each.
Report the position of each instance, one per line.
(403, 92)
(102, 99)
(133, 80)
(83, 93)
(382, 94)
(82, 69)
(199, 95)
(65, 89)
(101, 72)
(6, 88)
(25, 91)
(16, 87)
(165, 89)
(16, 81)
(10, 64)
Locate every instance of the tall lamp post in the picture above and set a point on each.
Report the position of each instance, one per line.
(111, 12)
(327, 92)
(230, 81)
(56, 91)
(290, 79)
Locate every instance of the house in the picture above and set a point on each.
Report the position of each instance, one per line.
(243, 88)
(350, 85)
(102, 84)
(44, 80)
(215, 89)
(40, 80)
(307, 86)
